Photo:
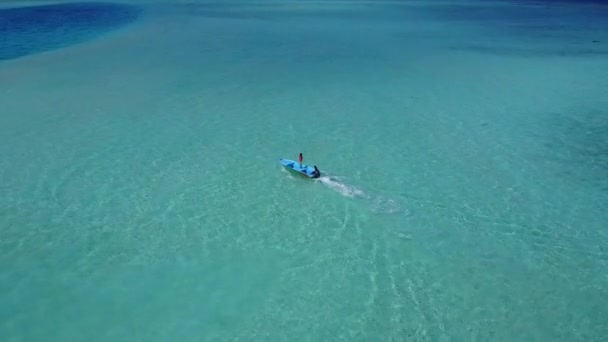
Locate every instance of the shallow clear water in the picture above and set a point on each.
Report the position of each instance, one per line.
(463, 195)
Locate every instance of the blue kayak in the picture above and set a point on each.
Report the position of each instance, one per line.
(302, 169)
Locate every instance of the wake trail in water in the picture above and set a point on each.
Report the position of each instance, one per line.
(379, 204)
(344, 189)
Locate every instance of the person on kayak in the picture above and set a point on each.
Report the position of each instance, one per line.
(301, 158)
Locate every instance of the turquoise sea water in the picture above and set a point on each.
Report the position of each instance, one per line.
(464, 196)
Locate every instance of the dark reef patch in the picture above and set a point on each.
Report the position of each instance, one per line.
(527, 28)
(566, 50)
(34, 29)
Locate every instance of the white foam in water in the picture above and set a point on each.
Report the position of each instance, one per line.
(380, 205)
(346, 190)
(386, 206)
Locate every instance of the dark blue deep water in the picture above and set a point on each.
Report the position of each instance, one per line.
(29, 30)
